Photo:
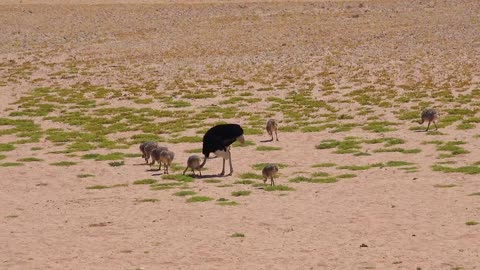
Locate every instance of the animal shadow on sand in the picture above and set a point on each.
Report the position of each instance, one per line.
(207, 176)
(159, 172)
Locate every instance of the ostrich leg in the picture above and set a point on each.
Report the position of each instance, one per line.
(230, 162)
(223, 167)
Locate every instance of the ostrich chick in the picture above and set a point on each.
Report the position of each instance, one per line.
(155, 154)
(166, 157)
(272, 127)
(269, 171)
(194, 163)
(146, 148)
(430, 115)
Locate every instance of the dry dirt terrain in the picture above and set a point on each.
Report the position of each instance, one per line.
(361, 185)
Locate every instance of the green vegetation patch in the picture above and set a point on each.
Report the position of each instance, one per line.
(268, 148)
(199, 199)
(30, 159)
(111, 156)
(85, 175)
(244, 182)
(355, 167)
(184, 193)
(260, 166)
(346, 175)
(278, 188)
(186, 139)
(11, 164)
(64, 163)
(444, 185)
(161, 187)
(148, 200)
(194, 151)
(97, 187)
(241, 193)
(389, 141)
(398, 150)
(300, 179)
(245, 144)
(4, 147)
(324, 165)
(380, 126)
(212, 181)
(398, 163)
(348, 145)
(453, 147)
(320, 174)
(178, 177)
(144, 182)
(251, 176)
(227, 203)
(472, 169)
(116, 163)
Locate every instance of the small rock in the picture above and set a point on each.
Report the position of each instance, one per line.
(363, 245)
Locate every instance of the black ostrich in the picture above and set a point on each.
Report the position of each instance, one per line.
(218, 139)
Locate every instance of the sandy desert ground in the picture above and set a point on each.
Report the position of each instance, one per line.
(83, 82)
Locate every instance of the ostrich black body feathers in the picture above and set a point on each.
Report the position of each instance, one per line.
(219, 137)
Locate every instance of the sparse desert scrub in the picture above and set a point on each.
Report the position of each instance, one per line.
(268, 148)
(244, 182)
(92, 88)
(144, 182)
(85, 175)
(151, 200)
(444, 185)
(241, 193)
(11, 164)
(64, 163)
(178, 177)
(199, 199)
(251, 176)
(324, 165)
(184, 193)
(6, 147)
(106, 187)
(116, 163)
(260, 166)
(300, 179)
(278, 188)
(471, 169)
